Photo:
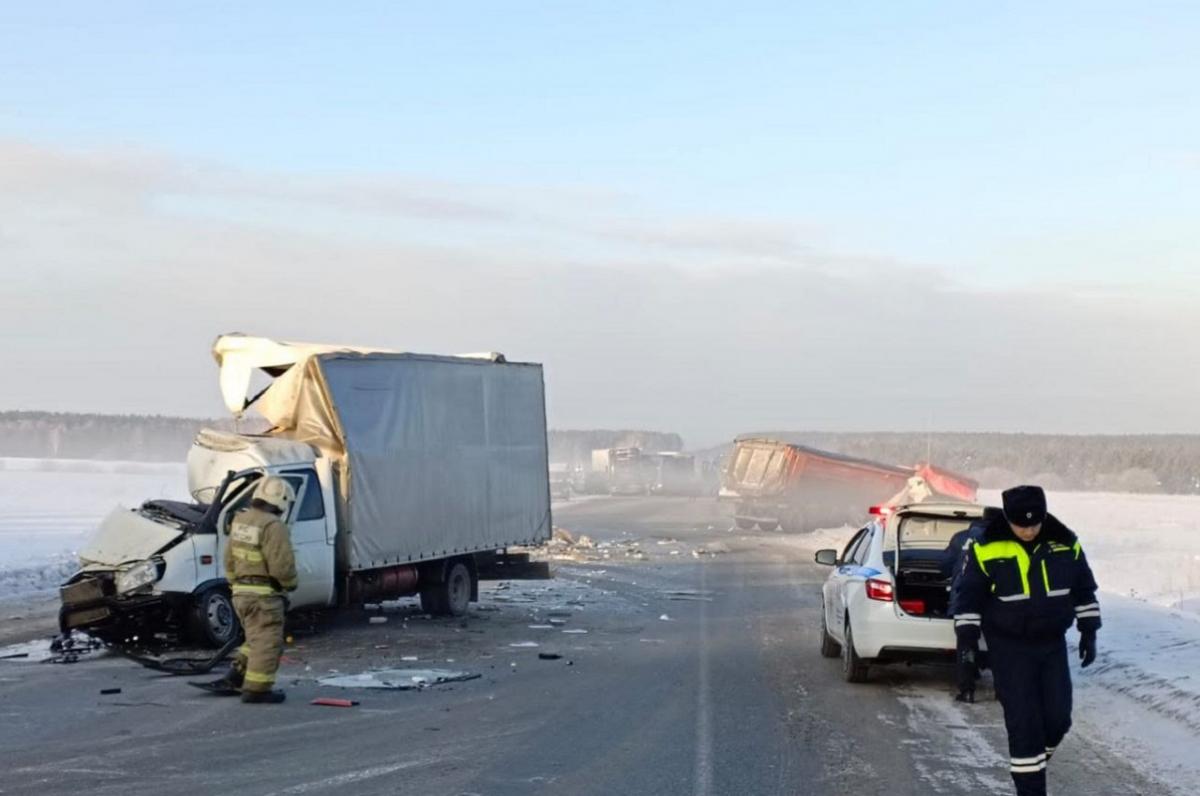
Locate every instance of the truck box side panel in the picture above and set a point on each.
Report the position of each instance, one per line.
(445, 456)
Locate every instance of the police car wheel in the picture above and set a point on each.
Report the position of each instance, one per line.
(829, 647)
(854, 669)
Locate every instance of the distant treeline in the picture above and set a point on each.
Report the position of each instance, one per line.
(575, 447)
(1126, 463)
(54, 435)
(1133, 463)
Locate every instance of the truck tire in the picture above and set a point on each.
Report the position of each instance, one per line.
(451, 597)
(213, 621)
(829, 647)
(768, 525)
(743, 523)
(854, 668)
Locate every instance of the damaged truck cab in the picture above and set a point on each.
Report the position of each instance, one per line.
(406, 468)
(159, 567)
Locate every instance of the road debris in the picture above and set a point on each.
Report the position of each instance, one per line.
(566, 546)
(548, 656)
(377, 620)
(576, 631)
(524, 644)
(666, 618)
(110, 691)
(689, 594)
(397, 679)
(333, 702)
(14, 656)
(69, 649)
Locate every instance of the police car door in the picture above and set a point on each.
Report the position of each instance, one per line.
(314, 553)
(849, 571)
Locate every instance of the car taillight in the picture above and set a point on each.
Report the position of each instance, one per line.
(915, 607)
(879, 590)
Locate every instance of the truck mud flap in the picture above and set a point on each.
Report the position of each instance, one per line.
(510, 566)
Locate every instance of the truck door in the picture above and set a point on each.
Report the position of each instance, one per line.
(314, 553)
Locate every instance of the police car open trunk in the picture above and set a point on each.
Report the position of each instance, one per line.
(922, 543)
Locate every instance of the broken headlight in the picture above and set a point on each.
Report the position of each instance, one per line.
(143, 573)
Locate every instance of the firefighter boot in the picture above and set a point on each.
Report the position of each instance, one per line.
(273, 697)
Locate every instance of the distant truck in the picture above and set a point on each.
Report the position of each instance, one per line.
(797, 488)
(674, 474)
(619, 471)
(410, 471)
(560, 481)
(628, 472)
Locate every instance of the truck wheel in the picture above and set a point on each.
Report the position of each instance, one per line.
(452, 597)
(768, 525)
(854, 668)
(829, 647)
(213, 620)
(743, 523)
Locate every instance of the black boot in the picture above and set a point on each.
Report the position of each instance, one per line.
(263, 697)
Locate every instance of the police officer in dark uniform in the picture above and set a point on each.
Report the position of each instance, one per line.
(1023, 583)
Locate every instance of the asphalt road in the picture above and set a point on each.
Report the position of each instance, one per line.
(715, 689)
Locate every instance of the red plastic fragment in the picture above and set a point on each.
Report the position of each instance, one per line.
(334, 703)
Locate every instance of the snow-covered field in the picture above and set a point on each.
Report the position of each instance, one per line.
(48, 507)
(1142, 697)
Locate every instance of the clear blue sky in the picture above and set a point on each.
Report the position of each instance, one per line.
(954, 148)
(980, 136)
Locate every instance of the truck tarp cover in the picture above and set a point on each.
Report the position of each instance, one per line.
(436, 455)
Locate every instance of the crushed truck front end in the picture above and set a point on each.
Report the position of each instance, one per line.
(135, 574)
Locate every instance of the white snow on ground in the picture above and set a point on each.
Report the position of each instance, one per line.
(49, 507)
(1141, 698)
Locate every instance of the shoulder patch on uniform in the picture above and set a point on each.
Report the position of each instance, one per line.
(246, 533)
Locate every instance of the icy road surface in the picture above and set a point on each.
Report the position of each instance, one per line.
(680, 673)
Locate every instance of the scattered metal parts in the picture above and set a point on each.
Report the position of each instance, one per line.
(70, 648)
(397, 679)
(180, 666)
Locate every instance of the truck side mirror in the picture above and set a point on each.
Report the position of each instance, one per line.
(827, 557)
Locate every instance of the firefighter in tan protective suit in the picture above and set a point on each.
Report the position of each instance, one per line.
(260, 566)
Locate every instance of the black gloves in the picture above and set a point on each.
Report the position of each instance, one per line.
(967, 671)
(1087, 649)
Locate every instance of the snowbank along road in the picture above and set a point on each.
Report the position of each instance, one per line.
(688, 665)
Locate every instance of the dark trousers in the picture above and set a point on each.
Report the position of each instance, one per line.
(1033, 683)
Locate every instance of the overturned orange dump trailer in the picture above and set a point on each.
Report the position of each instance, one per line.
(800, 488)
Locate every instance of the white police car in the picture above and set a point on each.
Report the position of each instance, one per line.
(886, 600)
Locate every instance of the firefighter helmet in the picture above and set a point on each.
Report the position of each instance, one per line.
(275, 492)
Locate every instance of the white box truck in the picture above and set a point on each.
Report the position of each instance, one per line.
(406, 468)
